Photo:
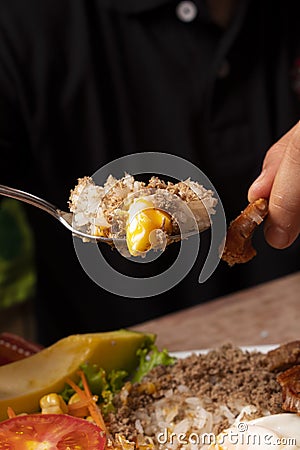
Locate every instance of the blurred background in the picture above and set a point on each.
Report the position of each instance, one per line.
(17, 270)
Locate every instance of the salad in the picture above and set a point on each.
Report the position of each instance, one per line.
(69, 412)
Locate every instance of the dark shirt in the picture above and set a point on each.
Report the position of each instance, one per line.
(85, 82)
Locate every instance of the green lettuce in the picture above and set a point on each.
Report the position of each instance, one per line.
(102, 384)
(149, 360)
(106, 385)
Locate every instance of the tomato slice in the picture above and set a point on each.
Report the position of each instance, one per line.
(49, 432)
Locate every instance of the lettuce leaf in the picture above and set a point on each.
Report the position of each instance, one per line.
(102, 384)
(149, 360)
(106, 385)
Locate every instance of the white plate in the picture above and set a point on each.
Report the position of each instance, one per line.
(259, 348)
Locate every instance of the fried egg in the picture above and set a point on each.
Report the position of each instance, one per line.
(278, 431)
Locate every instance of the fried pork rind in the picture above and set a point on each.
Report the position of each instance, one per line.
(289, 381)
(285, 360)
(103, 210)
(238, 246)
(284, 356)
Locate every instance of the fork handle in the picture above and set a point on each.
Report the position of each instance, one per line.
(28, 198)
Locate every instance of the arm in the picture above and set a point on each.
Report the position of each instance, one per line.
(279, 181)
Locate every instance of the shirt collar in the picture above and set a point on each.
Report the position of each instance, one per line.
(133, 6)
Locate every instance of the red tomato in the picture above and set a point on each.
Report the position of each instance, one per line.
(50, 431)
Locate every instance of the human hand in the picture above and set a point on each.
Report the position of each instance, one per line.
(279, 181)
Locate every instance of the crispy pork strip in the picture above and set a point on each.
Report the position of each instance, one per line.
(289, 381)
(14, 347)
(284, 356)
(238, 246)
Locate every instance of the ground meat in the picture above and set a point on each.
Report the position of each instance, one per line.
(225, 376)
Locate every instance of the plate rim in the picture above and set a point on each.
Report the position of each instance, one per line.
(250, 348)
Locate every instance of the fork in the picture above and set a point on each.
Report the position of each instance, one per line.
(64, 217)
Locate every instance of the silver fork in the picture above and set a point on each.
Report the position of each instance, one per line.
(64, 217)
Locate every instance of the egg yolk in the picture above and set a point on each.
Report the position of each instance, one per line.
(144, 218)
(101, 231)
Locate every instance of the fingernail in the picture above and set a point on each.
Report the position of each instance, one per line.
(277, 237)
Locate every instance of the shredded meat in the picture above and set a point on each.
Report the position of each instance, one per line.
(290, 382)
(238, 246)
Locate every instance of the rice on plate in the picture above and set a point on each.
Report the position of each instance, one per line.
(186, 405)
(223, 399)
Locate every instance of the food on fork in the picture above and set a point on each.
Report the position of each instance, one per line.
(152, 215)
(146, 215)
(238, 245)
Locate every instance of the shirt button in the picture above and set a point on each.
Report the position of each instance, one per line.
(186, 11)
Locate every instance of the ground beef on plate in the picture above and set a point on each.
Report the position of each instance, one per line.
(221, 383)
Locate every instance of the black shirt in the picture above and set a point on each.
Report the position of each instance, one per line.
(85, 82)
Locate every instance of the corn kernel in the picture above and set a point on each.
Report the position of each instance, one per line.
(53, 404)
(74, 399)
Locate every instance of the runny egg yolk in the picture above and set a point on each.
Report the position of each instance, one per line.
(143, 218)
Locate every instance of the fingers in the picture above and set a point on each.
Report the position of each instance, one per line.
(283, 224)
(262, 186)
(280, 182)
